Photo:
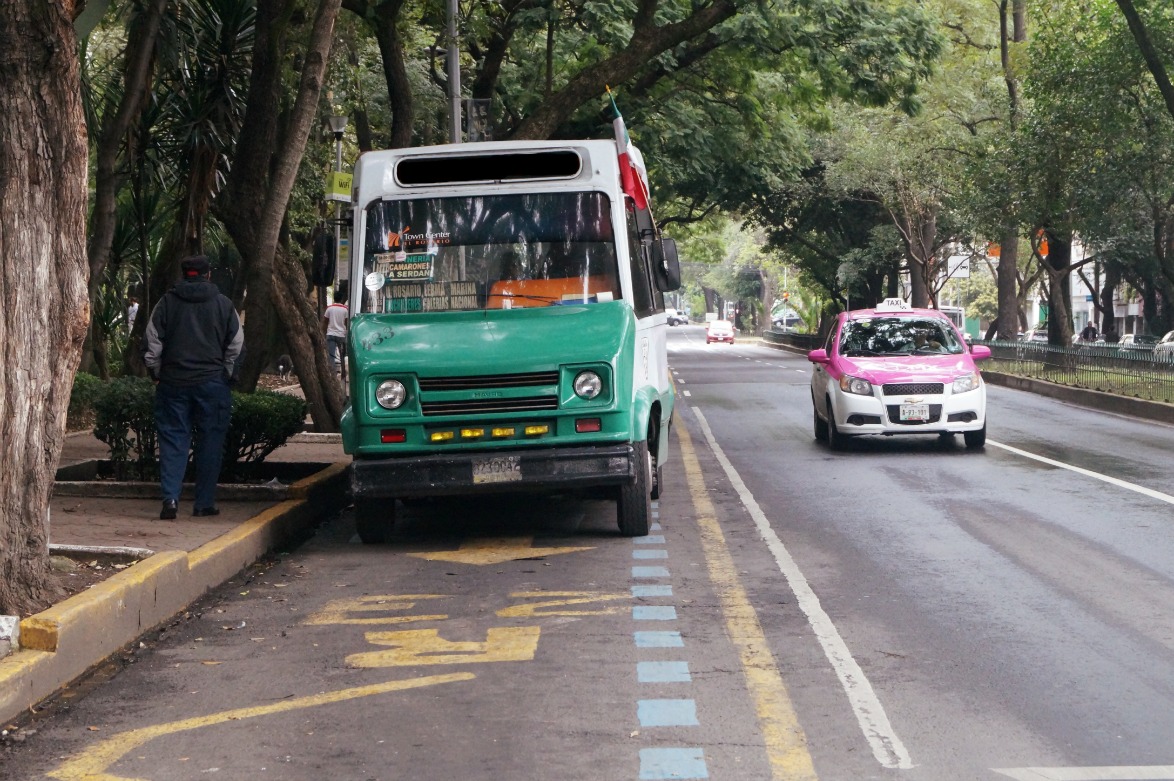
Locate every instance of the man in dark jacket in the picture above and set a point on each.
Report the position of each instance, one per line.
(192, 350)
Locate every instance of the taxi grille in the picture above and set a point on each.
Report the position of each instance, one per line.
(935, 414)
(916, 388)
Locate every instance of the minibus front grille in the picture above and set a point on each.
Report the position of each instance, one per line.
(481, 406)
(477, 382)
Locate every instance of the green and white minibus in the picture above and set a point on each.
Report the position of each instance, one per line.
(507, 329)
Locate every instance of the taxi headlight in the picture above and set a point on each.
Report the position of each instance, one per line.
(966, 382)
(850, 384)
(391, 394)
(588, 385)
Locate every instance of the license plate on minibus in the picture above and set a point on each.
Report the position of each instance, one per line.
(502, 469)
(914, 412)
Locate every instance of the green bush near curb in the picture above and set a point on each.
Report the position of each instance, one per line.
(124, 411)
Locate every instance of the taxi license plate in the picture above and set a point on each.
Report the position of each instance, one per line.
(504, 469)
(914, 412)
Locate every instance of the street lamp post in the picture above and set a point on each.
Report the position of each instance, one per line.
(338, 126)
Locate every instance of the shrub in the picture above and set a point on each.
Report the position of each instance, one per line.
(261, 422)
(81, 401)
(125, 420)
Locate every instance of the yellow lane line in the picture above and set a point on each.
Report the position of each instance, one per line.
(786, 744)
(92, 765)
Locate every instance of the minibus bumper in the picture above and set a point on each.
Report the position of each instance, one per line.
(492, 472)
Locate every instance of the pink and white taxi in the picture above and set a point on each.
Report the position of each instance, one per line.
(897, 370)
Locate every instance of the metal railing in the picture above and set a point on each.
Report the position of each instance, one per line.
(1101, 367)
(1108, 368)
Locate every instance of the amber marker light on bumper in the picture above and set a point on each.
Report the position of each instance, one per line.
(503, 432)
(472, 433)
(533, 431)
(441, 436)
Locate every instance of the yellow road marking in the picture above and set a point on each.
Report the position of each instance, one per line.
(412, 647)
(347, 611)
(92, 765)
(495, 550)
(547, 607)
(786, 744)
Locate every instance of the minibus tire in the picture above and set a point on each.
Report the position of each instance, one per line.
(634, 501)
(374, 520)
(654, 451)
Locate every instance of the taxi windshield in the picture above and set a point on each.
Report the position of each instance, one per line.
(894, 336)
(489, 252)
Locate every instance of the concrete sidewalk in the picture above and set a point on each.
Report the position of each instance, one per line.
(183, 559)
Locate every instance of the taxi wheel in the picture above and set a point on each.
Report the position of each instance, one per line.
(975, 439)
(634, 501)
(836, 440)
(821, 426)
(374, 520)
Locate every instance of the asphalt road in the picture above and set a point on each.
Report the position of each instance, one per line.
(905, 609)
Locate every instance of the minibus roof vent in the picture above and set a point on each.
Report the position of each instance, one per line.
(506, 167)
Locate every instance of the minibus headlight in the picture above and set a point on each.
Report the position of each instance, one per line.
(588, 385)
(391, 394)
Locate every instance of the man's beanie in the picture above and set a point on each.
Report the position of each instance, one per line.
(195, 266)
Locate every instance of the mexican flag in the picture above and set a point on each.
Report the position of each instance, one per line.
(630, 177)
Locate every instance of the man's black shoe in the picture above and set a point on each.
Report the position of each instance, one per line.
(170, 507)
(202, 511)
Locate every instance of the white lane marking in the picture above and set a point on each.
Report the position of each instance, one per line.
(687, 393)
(870, 714)
(1148, 773)
(1151, 493)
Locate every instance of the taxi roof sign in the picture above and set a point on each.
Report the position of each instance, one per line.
(893, 305)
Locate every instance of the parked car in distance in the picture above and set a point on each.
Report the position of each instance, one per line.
(1138, 343)
(719, 331)
(897, 370)
(1164, 349)
(675, 317)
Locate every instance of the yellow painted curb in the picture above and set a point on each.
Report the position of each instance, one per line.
(60, 644)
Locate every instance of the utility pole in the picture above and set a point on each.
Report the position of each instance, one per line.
(454, 74)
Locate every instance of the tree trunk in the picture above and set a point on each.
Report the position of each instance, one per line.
(299, 320)
(262, 254)
(1008, 286)
(43, 169)
(399, 87)
(1059, 265)
(1108, 295)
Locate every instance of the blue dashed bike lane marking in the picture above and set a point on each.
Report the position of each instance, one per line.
(661, 676)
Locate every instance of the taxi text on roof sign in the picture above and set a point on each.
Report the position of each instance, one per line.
(893, 305)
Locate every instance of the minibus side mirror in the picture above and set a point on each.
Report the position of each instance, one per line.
(666, 267)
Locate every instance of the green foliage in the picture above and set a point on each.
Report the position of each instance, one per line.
(125, 420)
(261, 423)
(81, 400)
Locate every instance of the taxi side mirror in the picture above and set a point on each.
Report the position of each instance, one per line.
(980, 351)
(819, 356)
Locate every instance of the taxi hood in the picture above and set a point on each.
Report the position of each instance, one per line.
(912, 368)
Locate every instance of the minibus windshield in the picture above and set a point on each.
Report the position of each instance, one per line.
(504, 251)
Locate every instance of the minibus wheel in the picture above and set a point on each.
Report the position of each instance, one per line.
(374, 520)
(654, 452)
(634, 501)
